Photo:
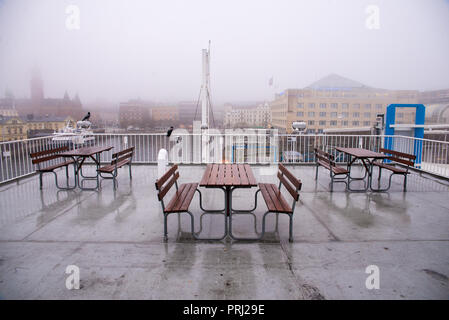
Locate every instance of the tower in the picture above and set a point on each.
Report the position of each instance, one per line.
(36, 86)
(205, 90)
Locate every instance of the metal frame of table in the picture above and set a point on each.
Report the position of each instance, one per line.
(79, 156)
(227, 177)
(367, 157)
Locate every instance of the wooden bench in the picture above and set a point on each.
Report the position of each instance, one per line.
(404, 159)
(276, 202)
(327, 161)
(119, 159)
(38, 158)
(180, 202)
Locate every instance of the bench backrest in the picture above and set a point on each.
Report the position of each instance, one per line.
(164, 183)
(400, 157)
(325, 157)
(122, 155)
(46, 155)
(289, 181)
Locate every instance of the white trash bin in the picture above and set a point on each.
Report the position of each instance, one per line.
(162, 162)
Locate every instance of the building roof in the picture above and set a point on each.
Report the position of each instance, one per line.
(336, 82)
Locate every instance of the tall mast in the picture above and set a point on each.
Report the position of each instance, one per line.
(205, 89)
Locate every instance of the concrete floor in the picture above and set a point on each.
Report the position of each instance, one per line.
(115, 238)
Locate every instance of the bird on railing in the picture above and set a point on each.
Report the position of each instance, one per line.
(86, 117)
(170, 131)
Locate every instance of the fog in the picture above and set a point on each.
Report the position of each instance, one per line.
(152, 49)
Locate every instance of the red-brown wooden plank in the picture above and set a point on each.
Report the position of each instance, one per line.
(228, 175)
(206, 175)
(235, 175)
(249, 173)
(243, 176)
(175, 198)
(221, 174)
(286, 207)
(213, 175)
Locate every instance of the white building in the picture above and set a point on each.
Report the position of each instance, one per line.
(252, 116)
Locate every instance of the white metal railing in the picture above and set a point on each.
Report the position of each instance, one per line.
(249, 148)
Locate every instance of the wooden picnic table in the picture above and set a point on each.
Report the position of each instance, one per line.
(228, 177)
(366, 157)
(79, 156)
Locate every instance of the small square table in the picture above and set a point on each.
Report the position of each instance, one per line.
(228, 177)
(79, 156)
(366, 157)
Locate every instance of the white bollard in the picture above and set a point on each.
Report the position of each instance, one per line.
(162, 162)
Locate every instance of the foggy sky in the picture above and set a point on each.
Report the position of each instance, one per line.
(152, 49)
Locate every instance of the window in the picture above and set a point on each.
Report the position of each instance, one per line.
(345, 114)
(400, 115)
(367, 106)
(378, 106)
(366, 123)
(344, 123)
(311, 114)
(333, 122)
(333, 114)
(311, 105)
(334, 105)
(300, 105)
(300, 114)
(356, 106)
(311, 122)
(323, 105)
(356, 115)
(367, 115)
(311, 130)
(322, 114)
(320, 130)
(355, 123)
(345, 105)
(322, 123)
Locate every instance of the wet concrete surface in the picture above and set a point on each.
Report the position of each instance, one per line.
(116, 239)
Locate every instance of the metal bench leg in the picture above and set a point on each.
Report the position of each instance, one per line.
(130, 174)
(290, 238)
(40, 180)
(165, 226)
(316, 173)
(405, 182)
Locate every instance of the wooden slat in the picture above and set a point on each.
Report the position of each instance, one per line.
(228, 175)
(397, 153)
(288, 186)
(176, 198)
(206, 175)
(161, 180)
(129, 150)
(47, 158)
(50, 151)
(243, 176)
(125, 157)
(296, 182)
(283, 203)
(55, 166)
(266, 196)
(249, 173)
(391, 167)
(274, 198)
(167, 187)
(188, 199)
(403, 161)
(221, 175)
(213, 175)
(235, 175)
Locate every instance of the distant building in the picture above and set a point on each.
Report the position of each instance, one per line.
(18, 128)
(252, 116)
(187, 111)
(168, 114)
(38, 105)
(337, 102)
(135, 113)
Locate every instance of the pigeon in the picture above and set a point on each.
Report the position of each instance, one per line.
(169, 131)
(86, 117)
